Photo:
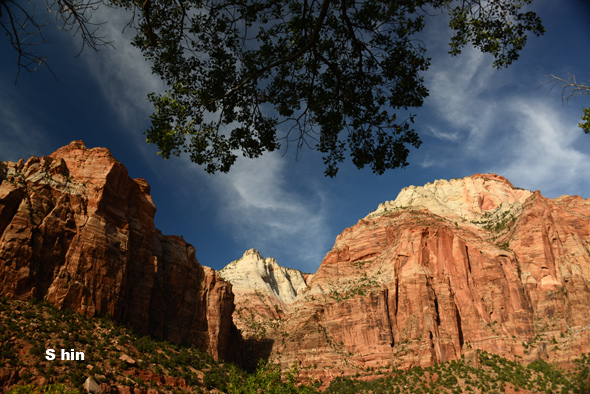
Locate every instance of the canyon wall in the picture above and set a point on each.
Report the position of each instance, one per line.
(441, 271)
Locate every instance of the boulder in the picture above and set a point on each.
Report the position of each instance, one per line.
(91, 386)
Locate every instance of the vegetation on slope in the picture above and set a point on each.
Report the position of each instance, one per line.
(495, 375)
(115, 356)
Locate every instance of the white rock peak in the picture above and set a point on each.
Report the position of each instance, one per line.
(470, 198)
(252, 272)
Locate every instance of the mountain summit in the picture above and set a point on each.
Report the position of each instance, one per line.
(252, 272)
(480, 196)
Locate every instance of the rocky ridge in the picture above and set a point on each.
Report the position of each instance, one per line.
(264, 292)
(78, 232)
(440, 272)
(481, 199)
(435, 275)
(252, 272)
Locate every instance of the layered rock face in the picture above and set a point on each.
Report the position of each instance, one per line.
(443, 270)
(77, 231)
(253, 273)
(264, 291)
(470, 199)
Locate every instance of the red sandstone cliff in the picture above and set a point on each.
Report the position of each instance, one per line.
(445, 269)
(431, 276)
(77, 231)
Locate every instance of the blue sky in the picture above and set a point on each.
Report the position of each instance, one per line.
(476, 119)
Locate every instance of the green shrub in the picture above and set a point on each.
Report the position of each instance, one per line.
(48, 389)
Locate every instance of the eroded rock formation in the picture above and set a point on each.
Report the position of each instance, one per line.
(253, 273)
(431, 276)
(264, 291)
(445, 269)
(77, 231)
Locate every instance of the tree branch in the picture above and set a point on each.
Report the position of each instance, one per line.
(311, 43)
(571, 87)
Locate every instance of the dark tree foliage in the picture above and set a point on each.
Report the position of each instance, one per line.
(339, 76)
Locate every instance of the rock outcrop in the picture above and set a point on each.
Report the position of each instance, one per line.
(471, 199)
(441, 271)
(253, 273)
(445, 269)
(264, 291)
(77, 231)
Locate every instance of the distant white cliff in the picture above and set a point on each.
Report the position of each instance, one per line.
(478, 198)
(252, 272)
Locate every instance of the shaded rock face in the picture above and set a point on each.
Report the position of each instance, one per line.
(443, 270)
(77, 231)
(264, 291)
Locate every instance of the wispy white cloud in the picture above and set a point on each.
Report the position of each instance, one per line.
(254, 202)
(458, 88)
(444, 135)
(548, 151)
(122, 73)
(265, 211)
(527, 137)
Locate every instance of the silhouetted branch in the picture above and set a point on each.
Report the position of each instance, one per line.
(571, 87)
(25, 31)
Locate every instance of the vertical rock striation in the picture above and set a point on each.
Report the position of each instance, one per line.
(445, 269)
(77, 231)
